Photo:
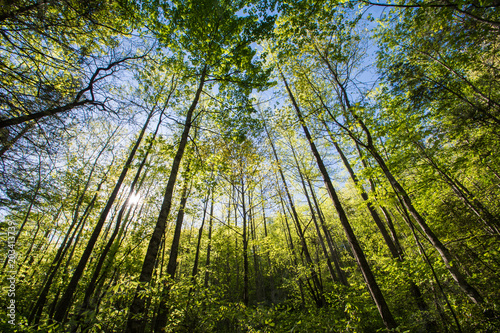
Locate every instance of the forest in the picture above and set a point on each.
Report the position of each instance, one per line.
(250, 166)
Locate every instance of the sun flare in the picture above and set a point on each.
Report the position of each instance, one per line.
(134, 199)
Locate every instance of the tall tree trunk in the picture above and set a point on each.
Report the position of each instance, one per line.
(161, 317)
(198, 242)
(317, 292)
(245, 245)
(272, 286)
(65, 302)
(209, 246)
(394, 235)
(445, 254)
(236, 243)
(313, 215)
(258, 279)
(373, 287)
(333, 251)
(136, 318)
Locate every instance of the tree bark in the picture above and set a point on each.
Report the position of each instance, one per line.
(136, 319)
(317, 291)
(445, 254)
(333, 252)
(373, 287)
(161, 317)
(209, 246)
(313, 215)
(65, 302)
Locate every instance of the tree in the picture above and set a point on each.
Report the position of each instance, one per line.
(208, 51)
(372, 285)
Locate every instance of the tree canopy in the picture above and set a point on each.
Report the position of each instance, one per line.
(249, 166)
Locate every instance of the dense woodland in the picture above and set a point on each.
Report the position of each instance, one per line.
(250, 166)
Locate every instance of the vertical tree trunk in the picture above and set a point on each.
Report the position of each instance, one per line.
(161, 317)
(198, 243)
(236, 243)
(317, 292)
(272, 286)
(136, 319)
(209, 246)
(65, 302)
(245, 244)
(258, 278)
(373, 287)
(333, 252)
(313, 215)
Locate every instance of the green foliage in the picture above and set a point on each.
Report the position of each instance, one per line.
(432, 115)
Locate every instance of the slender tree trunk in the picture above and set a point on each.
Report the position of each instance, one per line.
(245, 245)
(258, 278)
(198, 243)
(445, 254)
(33, 241)
(317, 290)
(272, 286)
(36, 311)
(209, 246)
(373, 287)
(161, 317)
(65, 302)
(333, 252)
(136, 319)
(236, 243)
(313, 215)
(228, 250)
(394, 235)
